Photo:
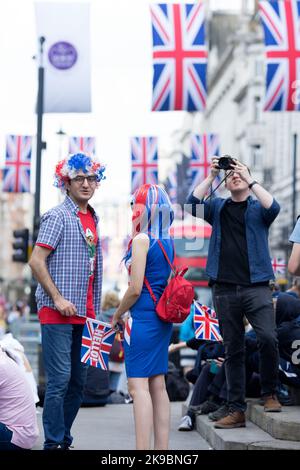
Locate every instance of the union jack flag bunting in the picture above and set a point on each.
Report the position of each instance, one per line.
(82, 144)
(97, 340)
(203, 148)
(279, 265)
(179, 57)
(16, 173)
(206, 323)
(280, 20)
(144, 161)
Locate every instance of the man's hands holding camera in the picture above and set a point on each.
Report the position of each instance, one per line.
(233, 165)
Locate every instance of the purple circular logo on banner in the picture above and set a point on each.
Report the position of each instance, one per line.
(62, 55)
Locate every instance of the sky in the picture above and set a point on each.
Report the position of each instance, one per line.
(121, 61)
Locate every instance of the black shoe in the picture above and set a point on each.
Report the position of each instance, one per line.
(220, 413)
(206, 407)
(54, 447)
(65, 446)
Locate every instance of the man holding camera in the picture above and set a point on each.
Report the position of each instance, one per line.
(239, 268)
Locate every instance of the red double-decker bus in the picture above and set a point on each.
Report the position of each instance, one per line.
(191, 249)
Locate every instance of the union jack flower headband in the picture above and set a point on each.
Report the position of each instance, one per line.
(69, 167)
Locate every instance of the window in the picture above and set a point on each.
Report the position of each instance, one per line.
(257, 109)
(259, 68)
(256, 157)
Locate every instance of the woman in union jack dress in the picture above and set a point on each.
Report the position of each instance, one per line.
(146, 336)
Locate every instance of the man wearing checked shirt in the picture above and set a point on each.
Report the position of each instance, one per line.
(67, 263)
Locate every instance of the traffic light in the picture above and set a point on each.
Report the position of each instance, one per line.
(20, 245)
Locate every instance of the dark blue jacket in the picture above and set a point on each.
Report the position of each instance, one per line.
(257, 220)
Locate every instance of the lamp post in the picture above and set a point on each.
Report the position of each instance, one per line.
(40, 145)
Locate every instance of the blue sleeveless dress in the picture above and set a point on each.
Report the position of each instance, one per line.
(146, 336)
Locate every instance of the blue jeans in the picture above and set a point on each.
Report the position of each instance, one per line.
(5, 439)
(65, 380)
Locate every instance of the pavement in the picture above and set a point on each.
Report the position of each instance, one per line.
(112, 428)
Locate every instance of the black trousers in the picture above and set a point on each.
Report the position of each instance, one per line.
(232, 303)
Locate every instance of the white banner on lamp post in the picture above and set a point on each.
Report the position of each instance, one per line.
(66, 28)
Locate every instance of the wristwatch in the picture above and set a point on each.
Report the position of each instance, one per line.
(252, 184)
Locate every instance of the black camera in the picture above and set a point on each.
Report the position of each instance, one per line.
(225, 163)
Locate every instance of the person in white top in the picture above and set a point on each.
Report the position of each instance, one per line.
(18, 423)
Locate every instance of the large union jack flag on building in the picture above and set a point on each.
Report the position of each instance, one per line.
(206, 323)
(82, 144)
(97, 340)
(281, 20)
(16, 173)
(144, 161)
(203, 148)
(179, 57)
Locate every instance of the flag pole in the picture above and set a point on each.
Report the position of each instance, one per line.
(40, 145)
(39, 142)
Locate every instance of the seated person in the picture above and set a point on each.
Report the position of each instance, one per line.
(18, 423)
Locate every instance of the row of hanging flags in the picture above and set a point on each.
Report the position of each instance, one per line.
(144, 161)
(179, 55)
(179, 78)
(17, 167)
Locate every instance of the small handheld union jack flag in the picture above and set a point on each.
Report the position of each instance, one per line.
(279, 265)
(144, 162)
(206, 323)
(82, 144)
(16, 174)
(97, 340)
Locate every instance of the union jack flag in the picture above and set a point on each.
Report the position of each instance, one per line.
(279, 265)
(206, 323)
(280, 20)
(16, 173)
(97, 340)
(82, 144)
(179, 57)
(144, 162)
(203, 148)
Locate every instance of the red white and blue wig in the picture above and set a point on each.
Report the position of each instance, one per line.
(152, 214)
(69, 167)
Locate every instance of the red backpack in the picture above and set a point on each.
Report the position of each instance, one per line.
(175, 303)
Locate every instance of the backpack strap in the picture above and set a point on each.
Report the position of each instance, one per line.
(166, 256)
(147, 283)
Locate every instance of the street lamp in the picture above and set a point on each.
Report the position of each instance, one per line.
(60, 133)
